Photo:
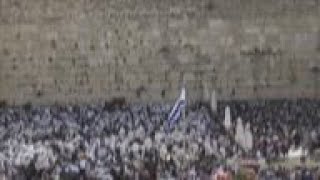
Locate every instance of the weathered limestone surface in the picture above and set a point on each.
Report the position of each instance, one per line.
(71, 51)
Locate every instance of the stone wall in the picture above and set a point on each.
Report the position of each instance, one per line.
(70, 51)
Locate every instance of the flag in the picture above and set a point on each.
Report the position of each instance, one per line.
(177, 109)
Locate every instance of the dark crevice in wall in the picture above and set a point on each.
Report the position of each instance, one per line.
(219, 90)
(6, 52)
(34, 86)
(315, 69)
(76, 45)
(164, 50)
(3, 104)
(92, 47)
(210, 6)
(189, 47)
(18, 36)
(27, 106)
(140, 60)
(139, 91)
(39, 93)
(268, 84)
(233, 92)
(14, 67)
(163, 93)
(73, 61)
(256, 51)
(50, 59)
(53, 44)
(90, 91)
(115, 103)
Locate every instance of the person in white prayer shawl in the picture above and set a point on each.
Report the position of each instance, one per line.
(194, 150)
(223, 151)
(122, 133)
(227, 118)
(42, 162)
(123, 147)
(2, 161)
(130, 135)
(192, 175)
(72, 168)
(158, 137)
(261, 160)
(163, 152)
(56, 173)
(208, 147)
(240, 136)
(24, 156)
(214, 145)
(140, 132)
(296, 152)
(112, 142)
(148, 143)
(248, 138)
(135, 148)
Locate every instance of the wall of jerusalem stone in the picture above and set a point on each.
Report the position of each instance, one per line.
(71, 51)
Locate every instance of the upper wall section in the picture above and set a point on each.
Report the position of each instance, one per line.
(71, 51)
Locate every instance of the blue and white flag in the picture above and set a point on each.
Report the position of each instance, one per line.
(177, 109)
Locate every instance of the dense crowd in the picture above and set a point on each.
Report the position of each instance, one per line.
(120, 141)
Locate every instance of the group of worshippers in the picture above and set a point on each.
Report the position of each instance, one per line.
(150, 141)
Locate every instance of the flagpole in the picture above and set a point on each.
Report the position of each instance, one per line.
(184, 119)
(184, 86)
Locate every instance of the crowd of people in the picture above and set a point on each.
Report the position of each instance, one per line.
(129, 141)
